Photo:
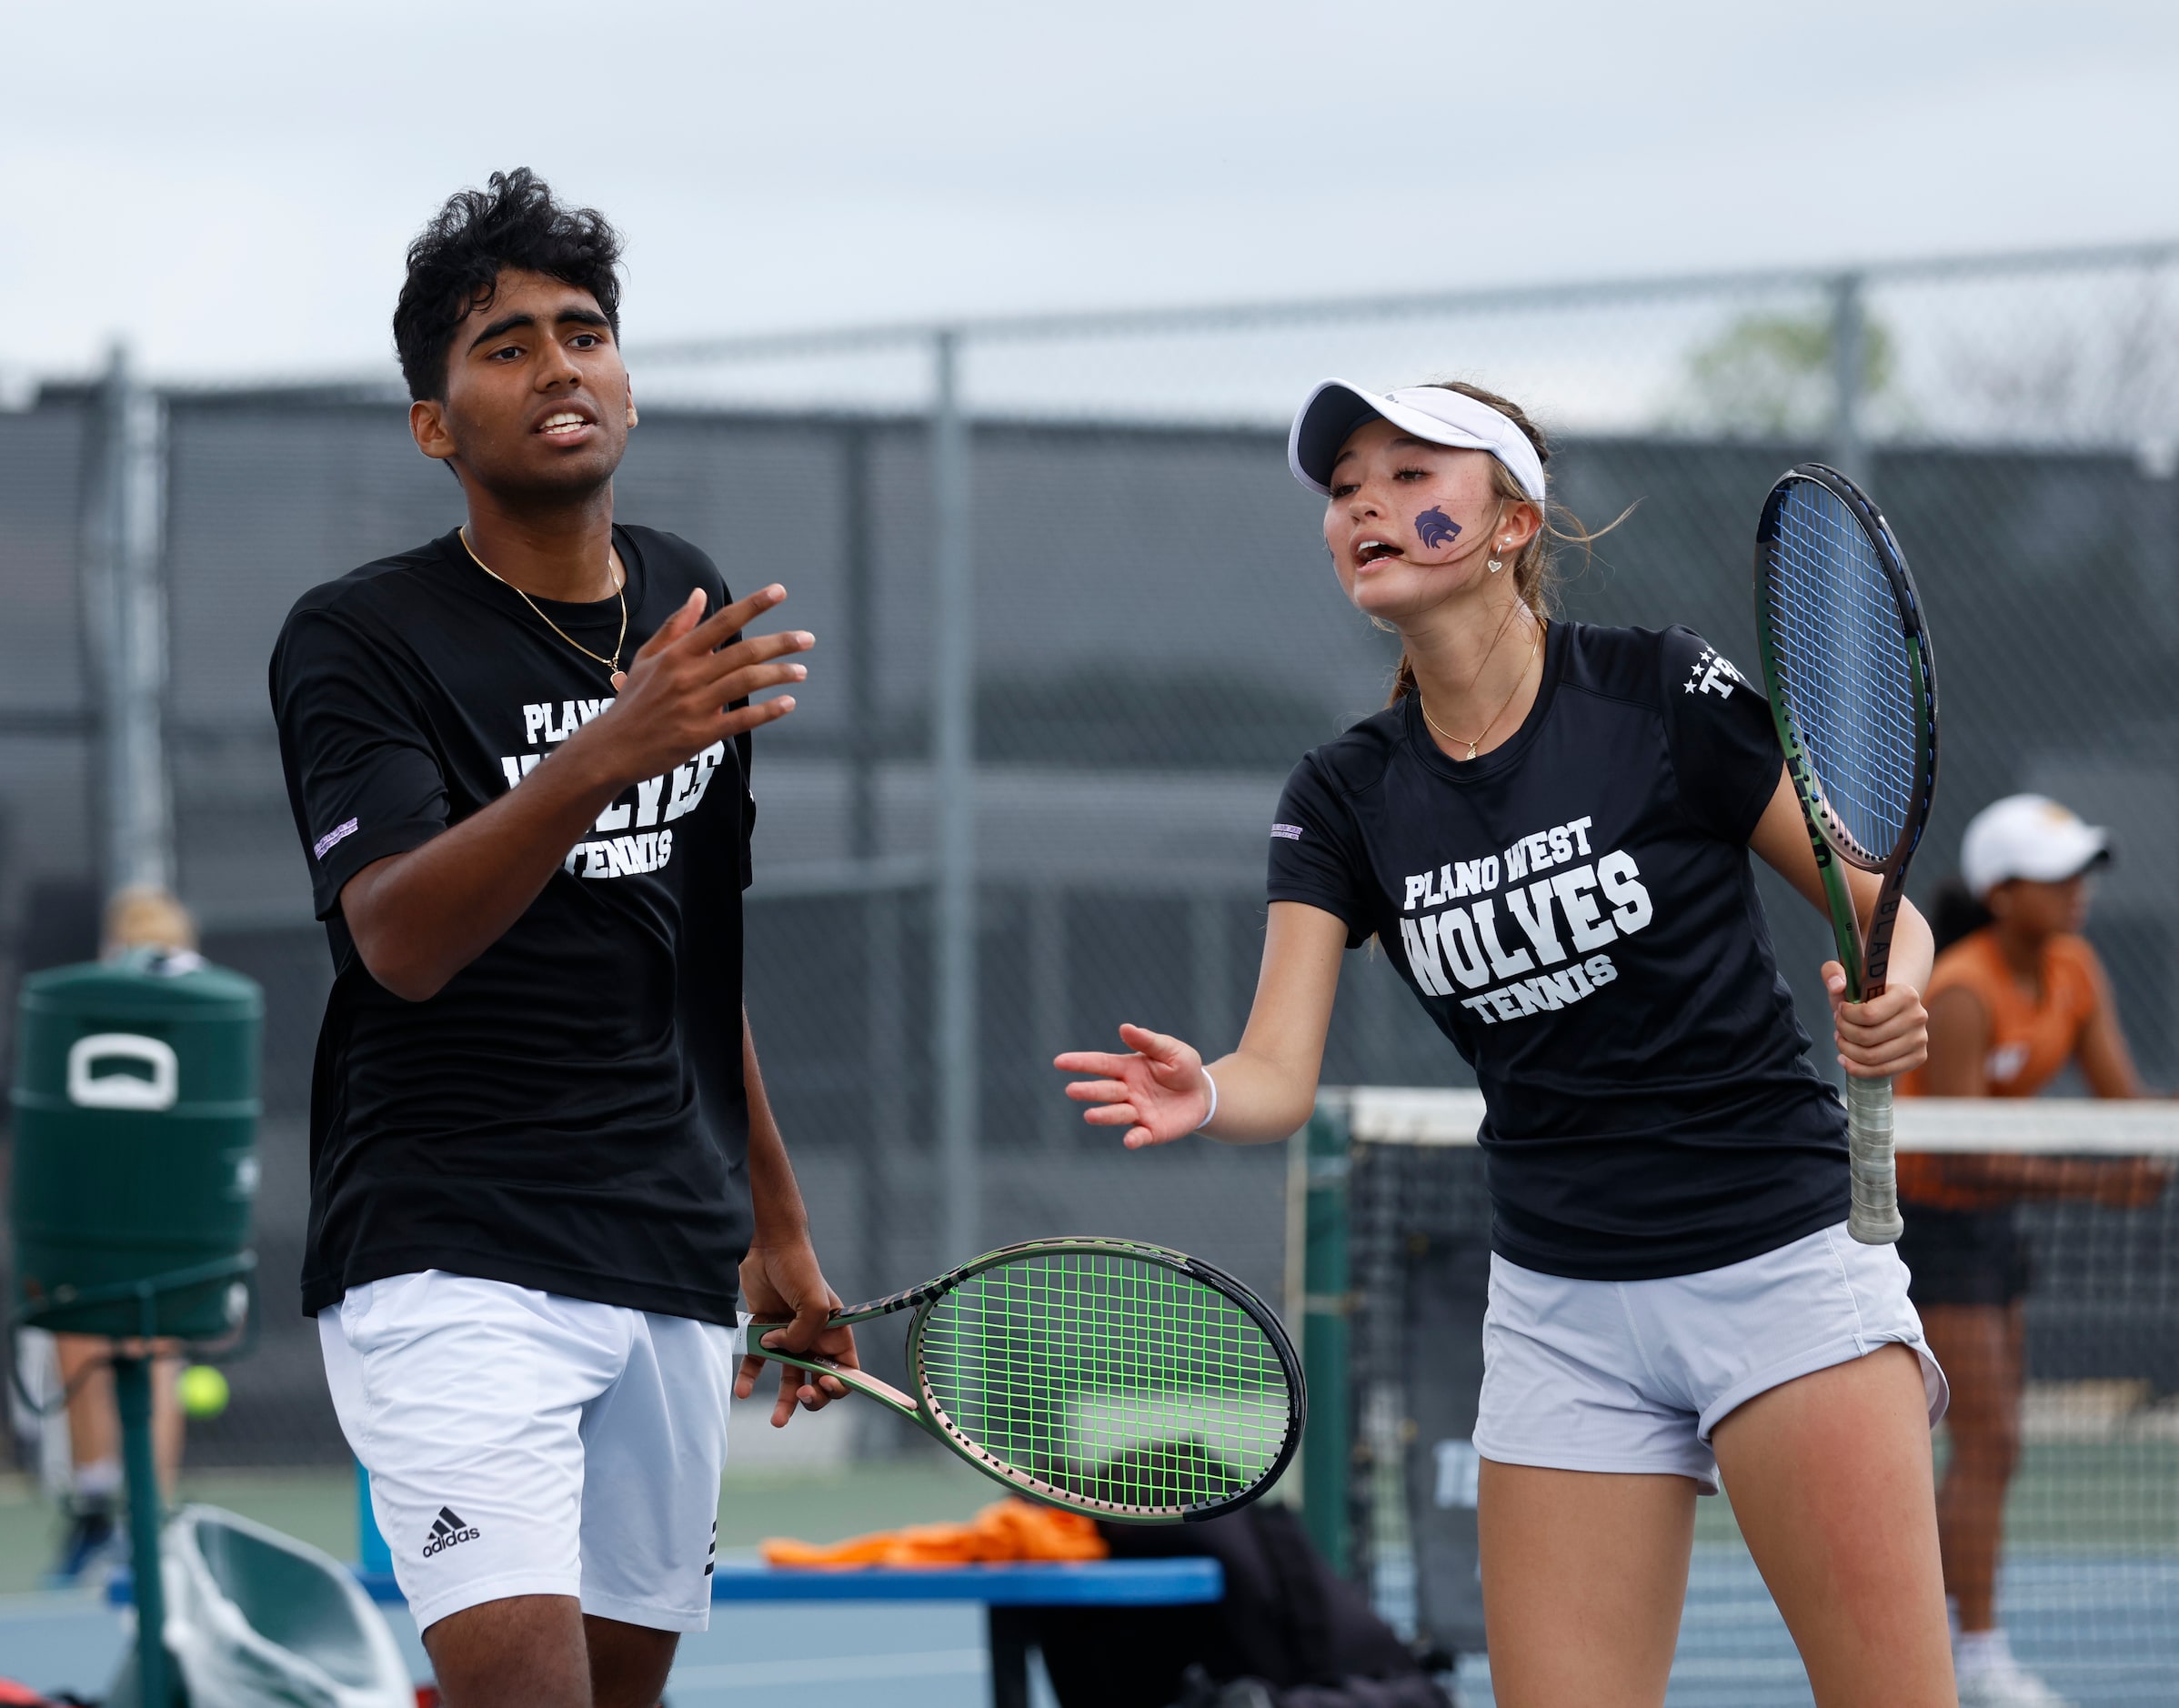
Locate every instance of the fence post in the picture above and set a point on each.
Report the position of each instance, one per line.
(1848, 451)
(125, 601)
(132, 1403)
(1326, 1452)
(953, 772)
(865, 713)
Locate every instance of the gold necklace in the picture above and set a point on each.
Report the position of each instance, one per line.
(1423, 706)
(619, 592)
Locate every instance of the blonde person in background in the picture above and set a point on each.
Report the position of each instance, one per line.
(139, 916)
(2016, 996)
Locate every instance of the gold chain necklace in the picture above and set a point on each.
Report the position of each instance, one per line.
(1423, 706)
(619, 592)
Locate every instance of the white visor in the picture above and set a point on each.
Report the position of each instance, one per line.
(1335, 409)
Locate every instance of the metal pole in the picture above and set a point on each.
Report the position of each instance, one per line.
(132, 1400)
(1210, 955)
(1326, 1457)
(862, 643)
(1045, 938)
(124, 597)
(886, 999)
(953, 769)
(1848, 451)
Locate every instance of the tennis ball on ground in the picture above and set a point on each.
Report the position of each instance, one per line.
(204, 1392)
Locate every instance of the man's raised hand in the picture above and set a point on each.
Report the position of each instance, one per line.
(674, 696)
(1158, 1092)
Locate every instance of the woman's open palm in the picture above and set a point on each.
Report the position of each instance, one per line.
(1158, 1092)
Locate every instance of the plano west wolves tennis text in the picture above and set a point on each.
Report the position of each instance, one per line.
(631, 838)
(1549, 930)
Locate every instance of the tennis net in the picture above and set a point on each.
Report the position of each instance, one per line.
(1390, 1234)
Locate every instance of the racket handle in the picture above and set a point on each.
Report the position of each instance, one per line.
(1875, 1218)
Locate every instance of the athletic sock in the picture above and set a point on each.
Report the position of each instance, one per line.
(1978, 1652)
(99, 1480)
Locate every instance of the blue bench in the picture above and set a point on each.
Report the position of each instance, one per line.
(1007, 1593)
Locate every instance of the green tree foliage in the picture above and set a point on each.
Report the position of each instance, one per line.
(1771, 373)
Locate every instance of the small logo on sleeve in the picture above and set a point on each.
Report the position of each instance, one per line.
(339, 833)
(447, 1530)
(1289, 832)
(1713, 673)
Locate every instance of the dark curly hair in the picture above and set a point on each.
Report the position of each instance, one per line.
(454, 263)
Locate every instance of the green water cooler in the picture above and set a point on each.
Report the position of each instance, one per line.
(135, 1171)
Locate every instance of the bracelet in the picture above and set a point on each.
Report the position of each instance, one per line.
(1212, 1111)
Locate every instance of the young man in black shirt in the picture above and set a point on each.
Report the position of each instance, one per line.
(541, 1150)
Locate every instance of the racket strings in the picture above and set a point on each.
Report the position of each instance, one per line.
(1841, 661)
(1110, 1378)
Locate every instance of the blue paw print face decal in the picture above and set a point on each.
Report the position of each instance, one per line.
(1436, 527)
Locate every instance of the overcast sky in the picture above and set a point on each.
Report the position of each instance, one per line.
(231, 185)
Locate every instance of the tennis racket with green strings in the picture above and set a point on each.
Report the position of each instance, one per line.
(1847, 661)
(1108, 1377)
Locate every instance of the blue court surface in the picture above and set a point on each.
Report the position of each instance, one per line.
(922, 1656)
(2099, 1630)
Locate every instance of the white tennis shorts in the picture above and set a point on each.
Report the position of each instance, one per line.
(1632, 1376)
(523, 1443)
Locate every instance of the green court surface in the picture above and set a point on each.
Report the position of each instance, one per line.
(814, 1503)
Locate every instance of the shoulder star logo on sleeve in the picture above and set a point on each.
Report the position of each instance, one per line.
(1712, 673)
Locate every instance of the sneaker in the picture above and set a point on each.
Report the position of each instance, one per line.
(1989, 1677)
(92, 1548)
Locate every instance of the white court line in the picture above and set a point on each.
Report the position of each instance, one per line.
(831, 1669)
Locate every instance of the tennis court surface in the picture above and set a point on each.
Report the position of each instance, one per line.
(918, 1657)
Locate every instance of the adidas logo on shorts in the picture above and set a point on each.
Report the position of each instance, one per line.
(446, 1531)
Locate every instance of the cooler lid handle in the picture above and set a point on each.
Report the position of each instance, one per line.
(123, 1090)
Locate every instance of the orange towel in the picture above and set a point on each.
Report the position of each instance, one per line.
(1005, 1529)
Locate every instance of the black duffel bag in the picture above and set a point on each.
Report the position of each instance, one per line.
(1306, 1637)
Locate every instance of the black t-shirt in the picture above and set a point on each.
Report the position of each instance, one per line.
(569, 1112)
(1576, 911)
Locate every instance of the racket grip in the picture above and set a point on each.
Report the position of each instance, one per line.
(1875, 1218)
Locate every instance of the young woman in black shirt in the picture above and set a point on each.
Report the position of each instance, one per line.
(1547, 832)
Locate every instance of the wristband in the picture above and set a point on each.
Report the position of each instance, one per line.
(1212, 1111)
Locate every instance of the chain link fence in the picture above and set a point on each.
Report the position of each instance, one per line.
(1075, 624)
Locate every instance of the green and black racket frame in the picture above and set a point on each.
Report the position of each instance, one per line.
(1846, 663)
(1107, 1377)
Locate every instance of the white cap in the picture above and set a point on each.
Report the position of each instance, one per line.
(1335, 409)
(2028, 836)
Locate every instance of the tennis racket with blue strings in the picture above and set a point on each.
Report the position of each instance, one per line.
(1847, 661)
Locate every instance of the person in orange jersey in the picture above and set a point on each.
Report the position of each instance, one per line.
(2016, 994)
